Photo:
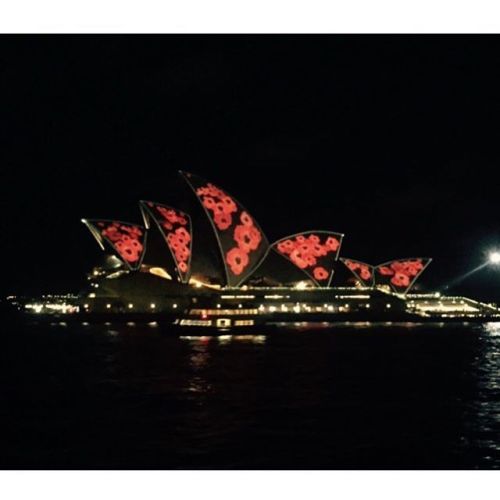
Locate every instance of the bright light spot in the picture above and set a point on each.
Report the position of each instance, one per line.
(301, 285)
(108, 306)
(153, 306)
(130, 306)
(495, 257)
(174, 306)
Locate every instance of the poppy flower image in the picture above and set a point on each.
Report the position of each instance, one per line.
(320, 273)
(202, 191)
(219, 208)
(182, 254)
(130, 250)
(298, 259)
(112, 234)
(229, 205)
(305, 248)
(318, 250)
(385, 271)
(223, 221)
(310, 259)
(400, 280)
(247, 237)
(208, 202)
(182, 235)
(332, 243)
(352, 265)
(413, 267)
(174, 241)
(286, 246)
(237, 260)
(365, 273)
(214, 191)
(245, 219)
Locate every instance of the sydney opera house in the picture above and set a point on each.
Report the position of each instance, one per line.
(215, 267)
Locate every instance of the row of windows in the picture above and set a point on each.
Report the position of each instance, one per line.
(223, 312)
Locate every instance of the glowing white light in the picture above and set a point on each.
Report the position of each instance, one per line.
(152, 306)
(495, 257)
(108, 306)
(174, 306)
(130, 306)
(301, 285)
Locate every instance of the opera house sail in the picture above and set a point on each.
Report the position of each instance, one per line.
(164, 269)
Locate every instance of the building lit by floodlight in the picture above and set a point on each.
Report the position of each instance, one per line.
(166, 267)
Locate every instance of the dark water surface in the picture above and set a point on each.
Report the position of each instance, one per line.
(131, 396)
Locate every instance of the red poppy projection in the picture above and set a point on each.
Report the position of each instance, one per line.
(241, 241)
(363, 272)
(314, 252)
(175, 227)
(400, 274)
(127, 240)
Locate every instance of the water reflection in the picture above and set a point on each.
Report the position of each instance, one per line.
(492, 328)
(224, 339)
(200, 357)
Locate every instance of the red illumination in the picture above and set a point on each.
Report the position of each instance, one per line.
(127, 240)
(320, 273)
(241, 241)
(315, 252)
(362, 271)
(237, 260)
(401, 274)
(175, 227)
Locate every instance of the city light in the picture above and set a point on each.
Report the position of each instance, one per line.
(494, 257)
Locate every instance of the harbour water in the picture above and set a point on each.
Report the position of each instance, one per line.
(132, 396)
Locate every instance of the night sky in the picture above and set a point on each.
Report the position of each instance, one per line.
(394, 141)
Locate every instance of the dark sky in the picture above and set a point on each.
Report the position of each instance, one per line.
(394, 141)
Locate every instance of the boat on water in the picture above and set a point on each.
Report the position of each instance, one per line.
(232, 278)
(219, 312)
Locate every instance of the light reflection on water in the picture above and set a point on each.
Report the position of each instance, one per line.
(385, 396)
(493, 328)
(223, 339)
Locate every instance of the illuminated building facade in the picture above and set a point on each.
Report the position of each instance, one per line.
(250, 288)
